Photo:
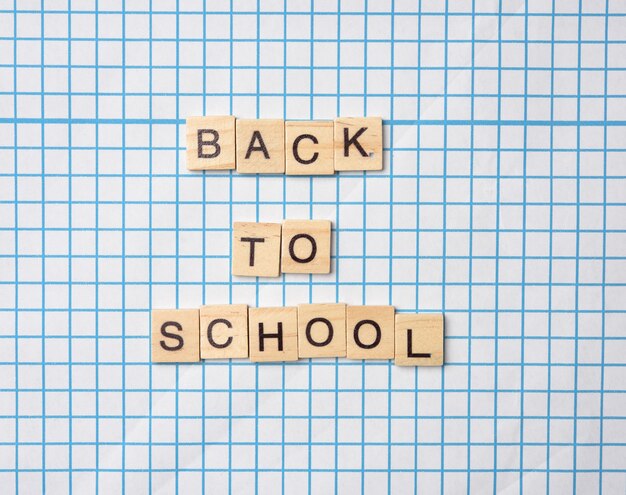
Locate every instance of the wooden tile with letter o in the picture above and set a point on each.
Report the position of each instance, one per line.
(210, 143)
(260, 146)
(273, 334)
(419, 339)
(358, 143)
(309, 147)
(224, 331)
(305, 246)
(256, 249)
(175, 335)
(370, 332)
(321, 330)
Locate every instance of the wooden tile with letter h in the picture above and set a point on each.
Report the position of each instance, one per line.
(175, 335)
(321, 330)
(370, 332)
(419, 339)
(305, 246)
(358, 143)
(224, 331)
(260, 146)
(273, 334)
(256, 249)
(210, 143)
(309, 147)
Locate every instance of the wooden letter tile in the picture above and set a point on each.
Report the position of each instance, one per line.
(419, 339)
(260, 146)
(256, 249)
(309, 148)
(175, 335)
(321, 330)
(306, 246)
(370, 332)
(224, 331)
(273, 334)
(210, 143)
(358, 143)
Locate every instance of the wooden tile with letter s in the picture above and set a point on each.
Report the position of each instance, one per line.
(256, 249)
(358, 143)
(260, 146)
(419, 339)
(305, 246)
(309, 147)
(273, 334)
(224, 331)
(175, 335)
(370, 332)
(210, 143)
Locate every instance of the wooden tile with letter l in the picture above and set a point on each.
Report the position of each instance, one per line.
(273, 334)
(210, 143)
(260, 146)
(358, 143)
(321, 330)
(305, 246)
(256, 249)
(175, 335)
(309, 147)
(419, 339)
(370, 332)
(224, 331)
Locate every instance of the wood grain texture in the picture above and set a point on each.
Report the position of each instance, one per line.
(358, 143)
(370, 332)
(309, 147)
(260, 146)
(419, 339)
(210, 143)
(271, 322)
(305, 246)
(224, 331)
(256, 249)
(175, 335)
(314, 322)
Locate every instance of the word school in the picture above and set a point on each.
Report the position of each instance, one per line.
(289, 333)
(273, 146)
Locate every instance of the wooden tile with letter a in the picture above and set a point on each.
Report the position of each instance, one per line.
(175, 335)
(419, 339)
(370, 332)
(224, 331)
(260, 146)
(321, 330)
(358, 143)
(309, 147)
(210, 143)
(273, 334)
(256, 249)
(305, 246)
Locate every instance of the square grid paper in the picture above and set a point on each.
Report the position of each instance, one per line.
(502, 204)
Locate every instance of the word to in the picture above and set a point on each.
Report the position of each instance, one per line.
(289, 333)
(266, 249)
(273, 146)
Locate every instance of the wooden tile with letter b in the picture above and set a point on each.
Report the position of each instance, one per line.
(321, 330)
(256, 249)
(305, 246)
(273, 334)
(210, 143)
(260, 146)
(419, 339)
(175, 335)
(358, 143)
(309, 147)
(370, 332)
(224, 331)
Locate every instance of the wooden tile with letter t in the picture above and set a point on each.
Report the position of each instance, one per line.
(224, 331)
(210, 143)
(321, 330)
(419, 339)
(260, 146)
(256, 249)
(273, 334)
(370, 332)
(309, 147)
(358, 143)
(305, 246)
(175, 335)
